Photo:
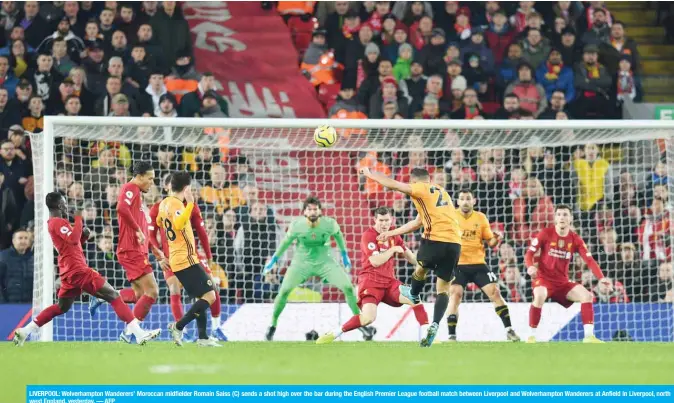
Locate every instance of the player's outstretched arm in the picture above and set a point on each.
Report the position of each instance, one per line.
(341, 244)
(198, 224)
(387, 182)
(402, 230)
(75, 237)
(288, 240)
(588, 259)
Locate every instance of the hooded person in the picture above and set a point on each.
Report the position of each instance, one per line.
(210, 107)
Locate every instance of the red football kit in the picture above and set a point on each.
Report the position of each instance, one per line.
(553, 264)
(76, 276)
(198, 225)
(378, 284)
(133, 215)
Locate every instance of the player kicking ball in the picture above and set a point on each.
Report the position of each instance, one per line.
(377, 281)
(313, 258)
(557, 244)
(174, 218)
(76, 276)
(472, 267)
(440, 242)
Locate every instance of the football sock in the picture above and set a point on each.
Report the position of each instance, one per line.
(47, 315)
(452, 320)
(441, 302)
(134, 327)
(143, 307)
(587, 316)
(199, 307)
(534, 318)
(417, 284)
(351, 324)
(176, 306)
(31, 327)
(504, 314)
(216, 307)
(202, 321)
(128, 295)
(420, 314)
(122, 310)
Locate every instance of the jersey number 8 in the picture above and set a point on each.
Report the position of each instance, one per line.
(170, 233)
(441, 202)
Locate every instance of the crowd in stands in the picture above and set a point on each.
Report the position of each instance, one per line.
(426, 60)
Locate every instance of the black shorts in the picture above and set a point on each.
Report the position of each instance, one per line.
(195, 280)
(440, 257)
(474, 273)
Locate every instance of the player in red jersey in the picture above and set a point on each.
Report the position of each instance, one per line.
(377, 281)
(557, 244)
(161, 253)
(132, 247)
(76, 276)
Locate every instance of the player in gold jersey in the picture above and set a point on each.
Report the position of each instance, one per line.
(174, 218)
(440, 242)
(472, 267)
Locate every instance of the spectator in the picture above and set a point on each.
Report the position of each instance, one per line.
(535, 21)
(74, 44)
(595, 185)
(73, 106)
(532, 212)
(430, 108)
(113, 86)
(600, 32)
(519, 20)
(478, 46)
(139, 67)
(655, 234)
(531, 94)
(9, 113)
(347, 105)
(94, 66)
(553, 75)
(191, 103)
(35, 27)
(17, 34)
(106, 24)
(630, 272)
(499, 36)
(557, 104)
(513, 284)
(564, 10)
(411, 12)
(148, 10)
(335, 26)
(172, 31)
(16, 270)
(75, 195)
(421, 32)
(9, 213)
(75, 19)
(62, 61)
(118, 46)
(45, 79)
(508, 71)
(80, 89)
(416, 86)
(556, 35)
(625, 83)
(34, 121)
(183, 77)
(20, 61)
(210, 107)
(491, 194)
(593, 84)
(470, 107)
(557, 181)
(627, 213)
(476, 76)
(106, 263)
(463, 26)
(607, 251)
(602, 294)
(259, 240)
(146, 39)
(403, 67)
(167, 107)
(446, 18)
(219, 194)
(587, 20)
(569, 48)
(431, 55)
(391, 50)
(510, 108)
(155, 89)
(92, 34)
(119, 106)
(534, 49)
(7, 78)
(618, 47)
(388, 93)
(14, 170)
(661, 291)
(56, 103)
(126, 24)
(8, 16)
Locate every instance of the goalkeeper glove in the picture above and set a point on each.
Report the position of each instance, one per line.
(270, 265)
(346, 261)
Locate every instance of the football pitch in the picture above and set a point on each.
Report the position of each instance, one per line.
(338, 363)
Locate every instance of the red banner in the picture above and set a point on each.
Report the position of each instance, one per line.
(250, 52)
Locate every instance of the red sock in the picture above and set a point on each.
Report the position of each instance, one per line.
(587, 313)
(420, 314)
(534, 316)
(142, 307)
(177, 306)
(122, 310)
(47, 315)
(128, 295)
(353, 323)
(216, 308)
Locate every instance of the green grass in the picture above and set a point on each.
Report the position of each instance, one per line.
(338, 363)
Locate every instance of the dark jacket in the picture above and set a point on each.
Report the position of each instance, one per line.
(600, 86)
(376, 110)
(190, 104)
(36, 31)
(16, 276)
(431, 57)
(10, 115)
(96, 75)
(172, 33)
(610, 56)
(9, 216)
(45, 84)
(417, 90)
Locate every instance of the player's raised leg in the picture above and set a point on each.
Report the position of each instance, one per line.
(582, 295)
(45, 316)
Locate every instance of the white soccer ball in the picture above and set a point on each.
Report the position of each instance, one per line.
(325, 136)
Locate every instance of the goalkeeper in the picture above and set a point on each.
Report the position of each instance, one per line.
(313, 258)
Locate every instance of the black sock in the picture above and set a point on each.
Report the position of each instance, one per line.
(441, 302)
(504, 314)
(202, 322)
(452, 320)
(198, 308)
(417, 285)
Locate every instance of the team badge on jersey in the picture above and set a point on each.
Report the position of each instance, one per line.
(371, 246)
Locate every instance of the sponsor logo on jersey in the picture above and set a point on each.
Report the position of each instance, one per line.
(561, 243)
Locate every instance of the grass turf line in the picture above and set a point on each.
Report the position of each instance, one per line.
(338, 363)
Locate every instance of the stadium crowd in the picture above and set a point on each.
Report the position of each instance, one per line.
(426, 60)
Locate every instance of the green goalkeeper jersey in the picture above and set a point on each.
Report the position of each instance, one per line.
(313, 242)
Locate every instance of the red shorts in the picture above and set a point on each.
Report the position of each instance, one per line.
(168, 273)
(135, 264)
(89, 281)
(370, 292)
(556, 291)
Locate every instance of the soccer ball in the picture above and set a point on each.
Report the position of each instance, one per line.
(325, 136)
